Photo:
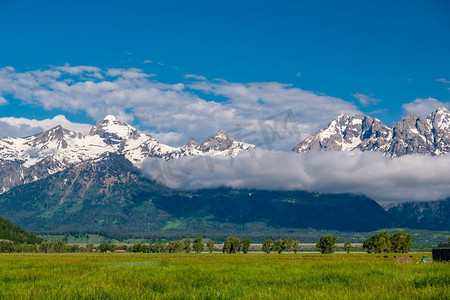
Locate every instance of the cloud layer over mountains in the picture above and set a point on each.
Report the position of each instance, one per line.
(404, 179)
(193, 107)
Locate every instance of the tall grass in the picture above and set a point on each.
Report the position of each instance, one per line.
(218, 276)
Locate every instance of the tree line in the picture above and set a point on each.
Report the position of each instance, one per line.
(382, 242)
(378, 243)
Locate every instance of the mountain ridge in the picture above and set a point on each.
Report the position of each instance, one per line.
(412, 135)
(23, 160)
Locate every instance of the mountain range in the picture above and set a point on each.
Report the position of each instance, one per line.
(24, 160)
(412, 135)
(60, 180)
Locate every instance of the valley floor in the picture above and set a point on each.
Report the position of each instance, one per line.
(219, 276)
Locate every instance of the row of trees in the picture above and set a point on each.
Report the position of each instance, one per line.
(234, 245)
(281, 245)
(378, 243)
(178, 246)
(399, 242)
(7, 246)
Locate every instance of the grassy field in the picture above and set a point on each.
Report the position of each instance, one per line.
(219, 276)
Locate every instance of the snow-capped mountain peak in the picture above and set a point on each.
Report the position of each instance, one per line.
(220, 134)
(346, 133)
(57, 134)
(191, 143)
(412, 135)
(218, 141)
(113, 130)
(440, 118)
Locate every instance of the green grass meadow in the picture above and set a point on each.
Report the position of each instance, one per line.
(219, 276)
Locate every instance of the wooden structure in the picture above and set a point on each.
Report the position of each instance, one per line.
(442, 253)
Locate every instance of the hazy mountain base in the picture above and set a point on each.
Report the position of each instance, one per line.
(110, 195)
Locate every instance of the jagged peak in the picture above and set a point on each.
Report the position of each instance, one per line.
(218, 141)
(439, 111)
(219, 134)
(440, 118)
(342, 116)
(350, 118)
(442, 109)
(112, 125)
(412, 116)
(191, 143)
(58, 131)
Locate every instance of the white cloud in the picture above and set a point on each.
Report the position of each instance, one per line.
(131, 73)
(88, 71)
(172, 138)
(407, 178)
(20, 127)
(443, 80)
(255, 101)
(3, 101)
(366, 100)
(423, 106)
(136, 97)
(298, 74)
(195, 76)
(148, 61)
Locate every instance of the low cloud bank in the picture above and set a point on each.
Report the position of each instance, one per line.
(404, 179)
(21, 127)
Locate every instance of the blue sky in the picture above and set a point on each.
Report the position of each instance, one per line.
(252, 59)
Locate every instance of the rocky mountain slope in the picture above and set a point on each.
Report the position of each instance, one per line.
(412, 135)
(109, 194)
(23, 160)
